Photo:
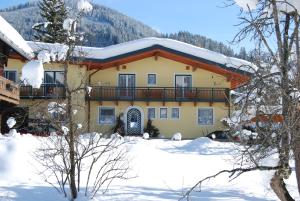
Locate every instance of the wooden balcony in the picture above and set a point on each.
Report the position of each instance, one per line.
(9, 92)
(46, 91)
(159, 94)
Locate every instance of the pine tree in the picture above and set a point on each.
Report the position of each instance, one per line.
(54, 13)
(243, 53)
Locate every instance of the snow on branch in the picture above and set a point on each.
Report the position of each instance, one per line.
(245, 4)
(33, 73)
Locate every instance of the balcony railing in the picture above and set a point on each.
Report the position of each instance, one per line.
(9, 91)
(165, 94)
(46, 91)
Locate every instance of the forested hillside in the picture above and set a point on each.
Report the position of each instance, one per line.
(108, 27)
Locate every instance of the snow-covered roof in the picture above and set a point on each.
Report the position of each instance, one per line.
(102, 54)
(135, 45)
(12, 38)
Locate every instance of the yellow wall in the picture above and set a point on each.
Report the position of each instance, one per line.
(165, 71)
(187, 124)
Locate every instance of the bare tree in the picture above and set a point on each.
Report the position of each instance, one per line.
(72, 151)
(271, 97)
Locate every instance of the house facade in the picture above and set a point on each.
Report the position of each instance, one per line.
(180, 87)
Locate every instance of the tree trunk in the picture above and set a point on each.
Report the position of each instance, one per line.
(278, 186)
(297, 160)
(72, 151)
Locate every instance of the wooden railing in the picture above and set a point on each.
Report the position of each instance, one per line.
(9, 91)
(46, 91)
(165, 94)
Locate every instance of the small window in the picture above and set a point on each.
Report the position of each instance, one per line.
(151, 79)
(151, 113)
(175, 113)
(106, 116)
(205, 116)
(11, 75)
(163, 113)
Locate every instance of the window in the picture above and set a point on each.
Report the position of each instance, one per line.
(151, 79)
(54, 77)
(11, 75)
(106, 115)
(205, 116)
(151, 113)
(163, 113)
(175, 113)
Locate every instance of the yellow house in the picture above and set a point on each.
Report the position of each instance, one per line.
(180, 87)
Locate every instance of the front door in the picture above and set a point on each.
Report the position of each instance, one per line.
(126, 85)
(134, 122)
(183, 84)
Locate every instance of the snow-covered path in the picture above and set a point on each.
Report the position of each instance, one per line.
(161, 170)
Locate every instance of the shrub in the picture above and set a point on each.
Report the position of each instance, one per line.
(152, 130)
(119, 127)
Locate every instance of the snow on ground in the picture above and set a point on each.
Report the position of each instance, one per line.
(161, 170)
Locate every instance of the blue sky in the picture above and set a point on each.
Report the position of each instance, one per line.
(205, 17)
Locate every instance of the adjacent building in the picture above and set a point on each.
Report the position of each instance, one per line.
(11, 43)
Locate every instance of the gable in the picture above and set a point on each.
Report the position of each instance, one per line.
(235, 76)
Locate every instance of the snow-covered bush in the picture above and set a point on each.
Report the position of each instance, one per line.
(115, 136)
(11, 122)
(13, 133)
(54, 107)
(176, 137)
(146, 136)
(65, 130)
(79, 126)
(151, 129)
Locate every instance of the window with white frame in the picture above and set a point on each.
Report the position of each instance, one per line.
(175, 113)
(151, 79)
(106, 115)
(205, 116)
(151, 113)
(163, 113)
(11, 75)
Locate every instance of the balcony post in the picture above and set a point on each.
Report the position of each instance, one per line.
(100, 92)
(148, 93)
(212, 95)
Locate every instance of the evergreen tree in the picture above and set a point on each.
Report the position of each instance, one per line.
(54, 13)
(243, 54)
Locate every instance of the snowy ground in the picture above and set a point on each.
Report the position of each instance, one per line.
(163, 170)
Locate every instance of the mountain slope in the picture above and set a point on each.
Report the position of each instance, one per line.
(105, 26)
